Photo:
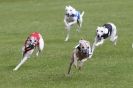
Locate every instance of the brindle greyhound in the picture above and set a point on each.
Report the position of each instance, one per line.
(80, 54)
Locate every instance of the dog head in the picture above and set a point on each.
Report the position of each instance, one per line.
(100, 31)
(84, 46)
(69, 10)
(32, 41)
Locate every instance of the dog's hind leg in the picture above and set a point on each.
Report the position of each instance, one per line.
(114, 38)
(22, 62)
(79, 25)
(80, 21)
(114, 35)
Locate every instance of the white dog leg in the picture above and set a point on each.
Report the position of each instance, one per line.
(80, 22)
(93, 46)
(114, 36)
(22, 62)
(100, 42)
(79, 27)
(114, 39)
(41, 46)
(68, 33)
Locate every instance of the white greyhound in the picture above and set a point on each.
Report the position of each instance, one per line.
(34, 41)
(72, 17)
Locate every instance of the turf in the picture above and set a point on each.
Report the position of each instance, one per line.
(110, 67)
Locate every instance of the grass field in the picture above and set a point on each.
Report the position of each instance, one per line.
(110, 67)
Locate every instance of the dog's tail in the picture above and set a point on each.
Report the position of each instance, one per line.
(82, 14)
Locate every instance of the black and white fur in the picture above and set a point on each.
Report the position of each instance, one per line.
(108, 30)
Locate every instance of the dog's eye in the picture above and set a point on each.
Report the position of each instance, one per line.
(35, 41)
(82, 47)
(30, 40)
(87, 47)
(101, 31)
(70, 10)
(97, 30)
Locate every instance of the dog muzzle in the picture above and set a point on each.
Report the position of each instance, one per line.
(98, 37)
(86, 52)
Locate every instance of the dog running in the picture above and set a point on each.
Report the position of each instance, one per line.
(81, 53)
(72, 16)
(34, 41)
(103, 32)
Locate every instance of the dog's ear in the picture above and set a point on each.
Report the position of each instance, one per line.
(79, 48)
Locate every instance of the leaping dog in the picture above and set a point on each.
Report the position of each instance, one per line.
(81, 53)
(72, 16)
(34, 41)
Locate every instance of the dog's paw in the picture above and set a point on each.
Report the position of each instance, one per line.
(37, 54)
(115, 43)
(96, 44)
(68, 75)
(14, 69)
(78, 30)
(66, 39)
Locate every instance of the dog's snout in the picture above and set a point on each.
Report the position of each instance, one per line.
(98, 36)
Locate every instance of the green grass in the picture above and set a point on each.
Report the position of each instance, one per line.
(110, 67)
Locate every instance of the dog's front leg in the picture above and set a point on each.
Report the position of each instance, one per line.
(66, 24)
(81, 63)
(22, 62)
(90, 54)
(99, 42)
(71, 23)
(67, 28)
(69, 69)
(93, 46)
(68, 34)
(75, 60)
